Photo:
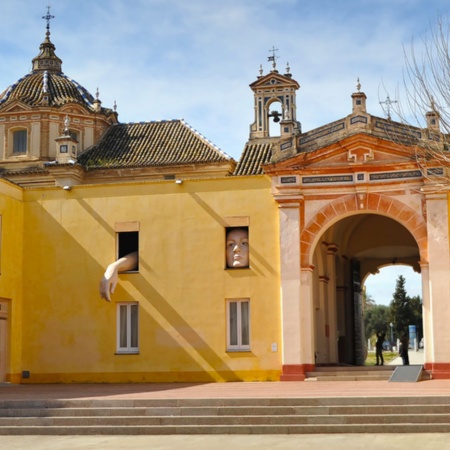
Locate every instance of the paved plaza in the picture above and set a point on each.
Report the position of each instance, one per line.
(427, 441)
(435, 441)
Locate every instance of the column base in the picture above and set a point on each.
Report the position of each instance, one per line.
(439, 371)
(295, 372)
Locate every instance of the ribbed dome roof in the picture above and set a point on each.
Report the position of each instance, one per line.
(46, 84)
(59, 89)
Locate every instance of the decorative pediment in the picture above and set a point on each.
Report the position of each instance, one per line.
(74, 108)
(360, 150)
(16, 106)
(273, 79)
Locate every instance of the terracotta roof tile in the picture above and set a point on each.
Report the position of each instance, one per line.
(253, 157)
(159, 143)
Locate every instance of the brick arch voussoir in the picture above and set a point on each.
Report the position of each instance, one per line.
(411, 219)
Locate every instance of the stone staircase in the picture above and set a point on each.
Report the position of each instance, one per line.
(355, 373)
(226, 416)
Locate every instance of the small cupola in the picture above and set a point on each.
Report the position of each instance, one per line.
(47, 59)
(359, 100)
(433, 118)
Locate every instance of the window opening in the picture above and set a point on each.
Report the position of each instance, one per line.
(127, 328)
(128, 242)
(20, 142)
(237, 248)
(238, 325)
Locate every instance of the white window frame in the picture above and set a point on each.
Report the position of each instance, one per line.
(125, 328)
(238, 332)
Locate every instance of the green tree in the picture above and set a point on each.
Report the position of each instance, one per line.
(368, 301)
(376, 319)
(404, 310)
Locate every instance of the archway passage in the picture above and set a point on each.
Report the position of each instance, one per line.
(344, 255)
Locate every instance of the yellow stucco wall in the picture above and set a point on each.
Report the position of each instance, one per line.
(69, 332)
(11, 253)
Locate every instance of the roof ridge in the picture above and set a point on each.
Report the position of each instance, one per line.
(149, 121)
(206, 139)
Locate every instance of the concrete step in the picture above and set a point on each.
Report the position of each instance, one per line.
(357, 373)
(110, 404)
(235, 411)
(224, 420)
(226, 416)
(227, 429)
(348, 376)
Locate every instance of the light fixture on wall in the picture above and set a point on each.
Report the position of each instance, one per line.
(178, 181)
(67, 188)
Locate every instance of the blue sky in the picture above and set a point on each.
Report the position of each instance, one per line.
(381, 286)
(171, 59)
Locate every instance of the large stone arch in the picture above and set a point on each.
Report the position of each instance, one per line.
(368, 203)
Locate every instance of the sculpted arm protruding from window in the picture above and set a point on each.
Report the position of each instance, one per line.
(111, 276)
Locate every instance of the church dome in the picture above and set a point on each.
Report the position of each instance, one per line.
(46, 84)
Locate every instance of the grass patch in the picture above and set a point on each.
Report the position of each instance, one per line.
(371, 358)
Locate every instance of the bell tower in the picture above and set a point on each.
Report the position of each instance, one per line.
(270, 91)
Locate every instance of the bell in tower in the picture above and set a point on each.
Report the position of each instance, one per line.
(275, 103)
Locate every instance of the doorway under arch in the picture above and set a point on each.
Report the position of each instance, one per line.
(346, 252)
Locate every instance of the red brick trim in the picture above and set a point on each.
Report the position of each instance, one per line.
(295, 372)
(439, 371)
(346, 205)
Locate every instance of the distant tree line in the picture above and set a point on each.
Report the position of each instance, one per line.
(402, 312)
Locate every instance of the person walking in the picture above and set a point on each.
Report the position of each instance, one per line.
(379, 348)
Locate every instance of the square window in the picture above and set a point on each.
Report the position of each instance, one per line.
(237, 250)
(128, 242)
(238, 325)
(63, 148)
(127, 329)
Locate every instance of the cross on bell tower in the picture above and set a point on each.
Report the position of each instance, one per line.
(273, 58)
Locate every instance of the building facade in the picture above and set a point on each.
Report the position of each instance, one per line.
(321, 210)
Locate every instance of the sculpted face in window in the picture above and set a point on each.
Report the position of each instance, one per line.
(237, 248)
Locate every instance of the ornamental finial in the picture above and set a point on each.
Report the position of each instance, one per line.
(273, 58)
(48, 17)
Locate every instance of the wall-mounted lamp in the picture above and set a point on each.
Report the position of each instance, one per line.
(178, 181)
(67, 188)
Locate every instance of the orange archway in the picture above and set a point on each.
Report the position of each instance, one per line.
(363, 203)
